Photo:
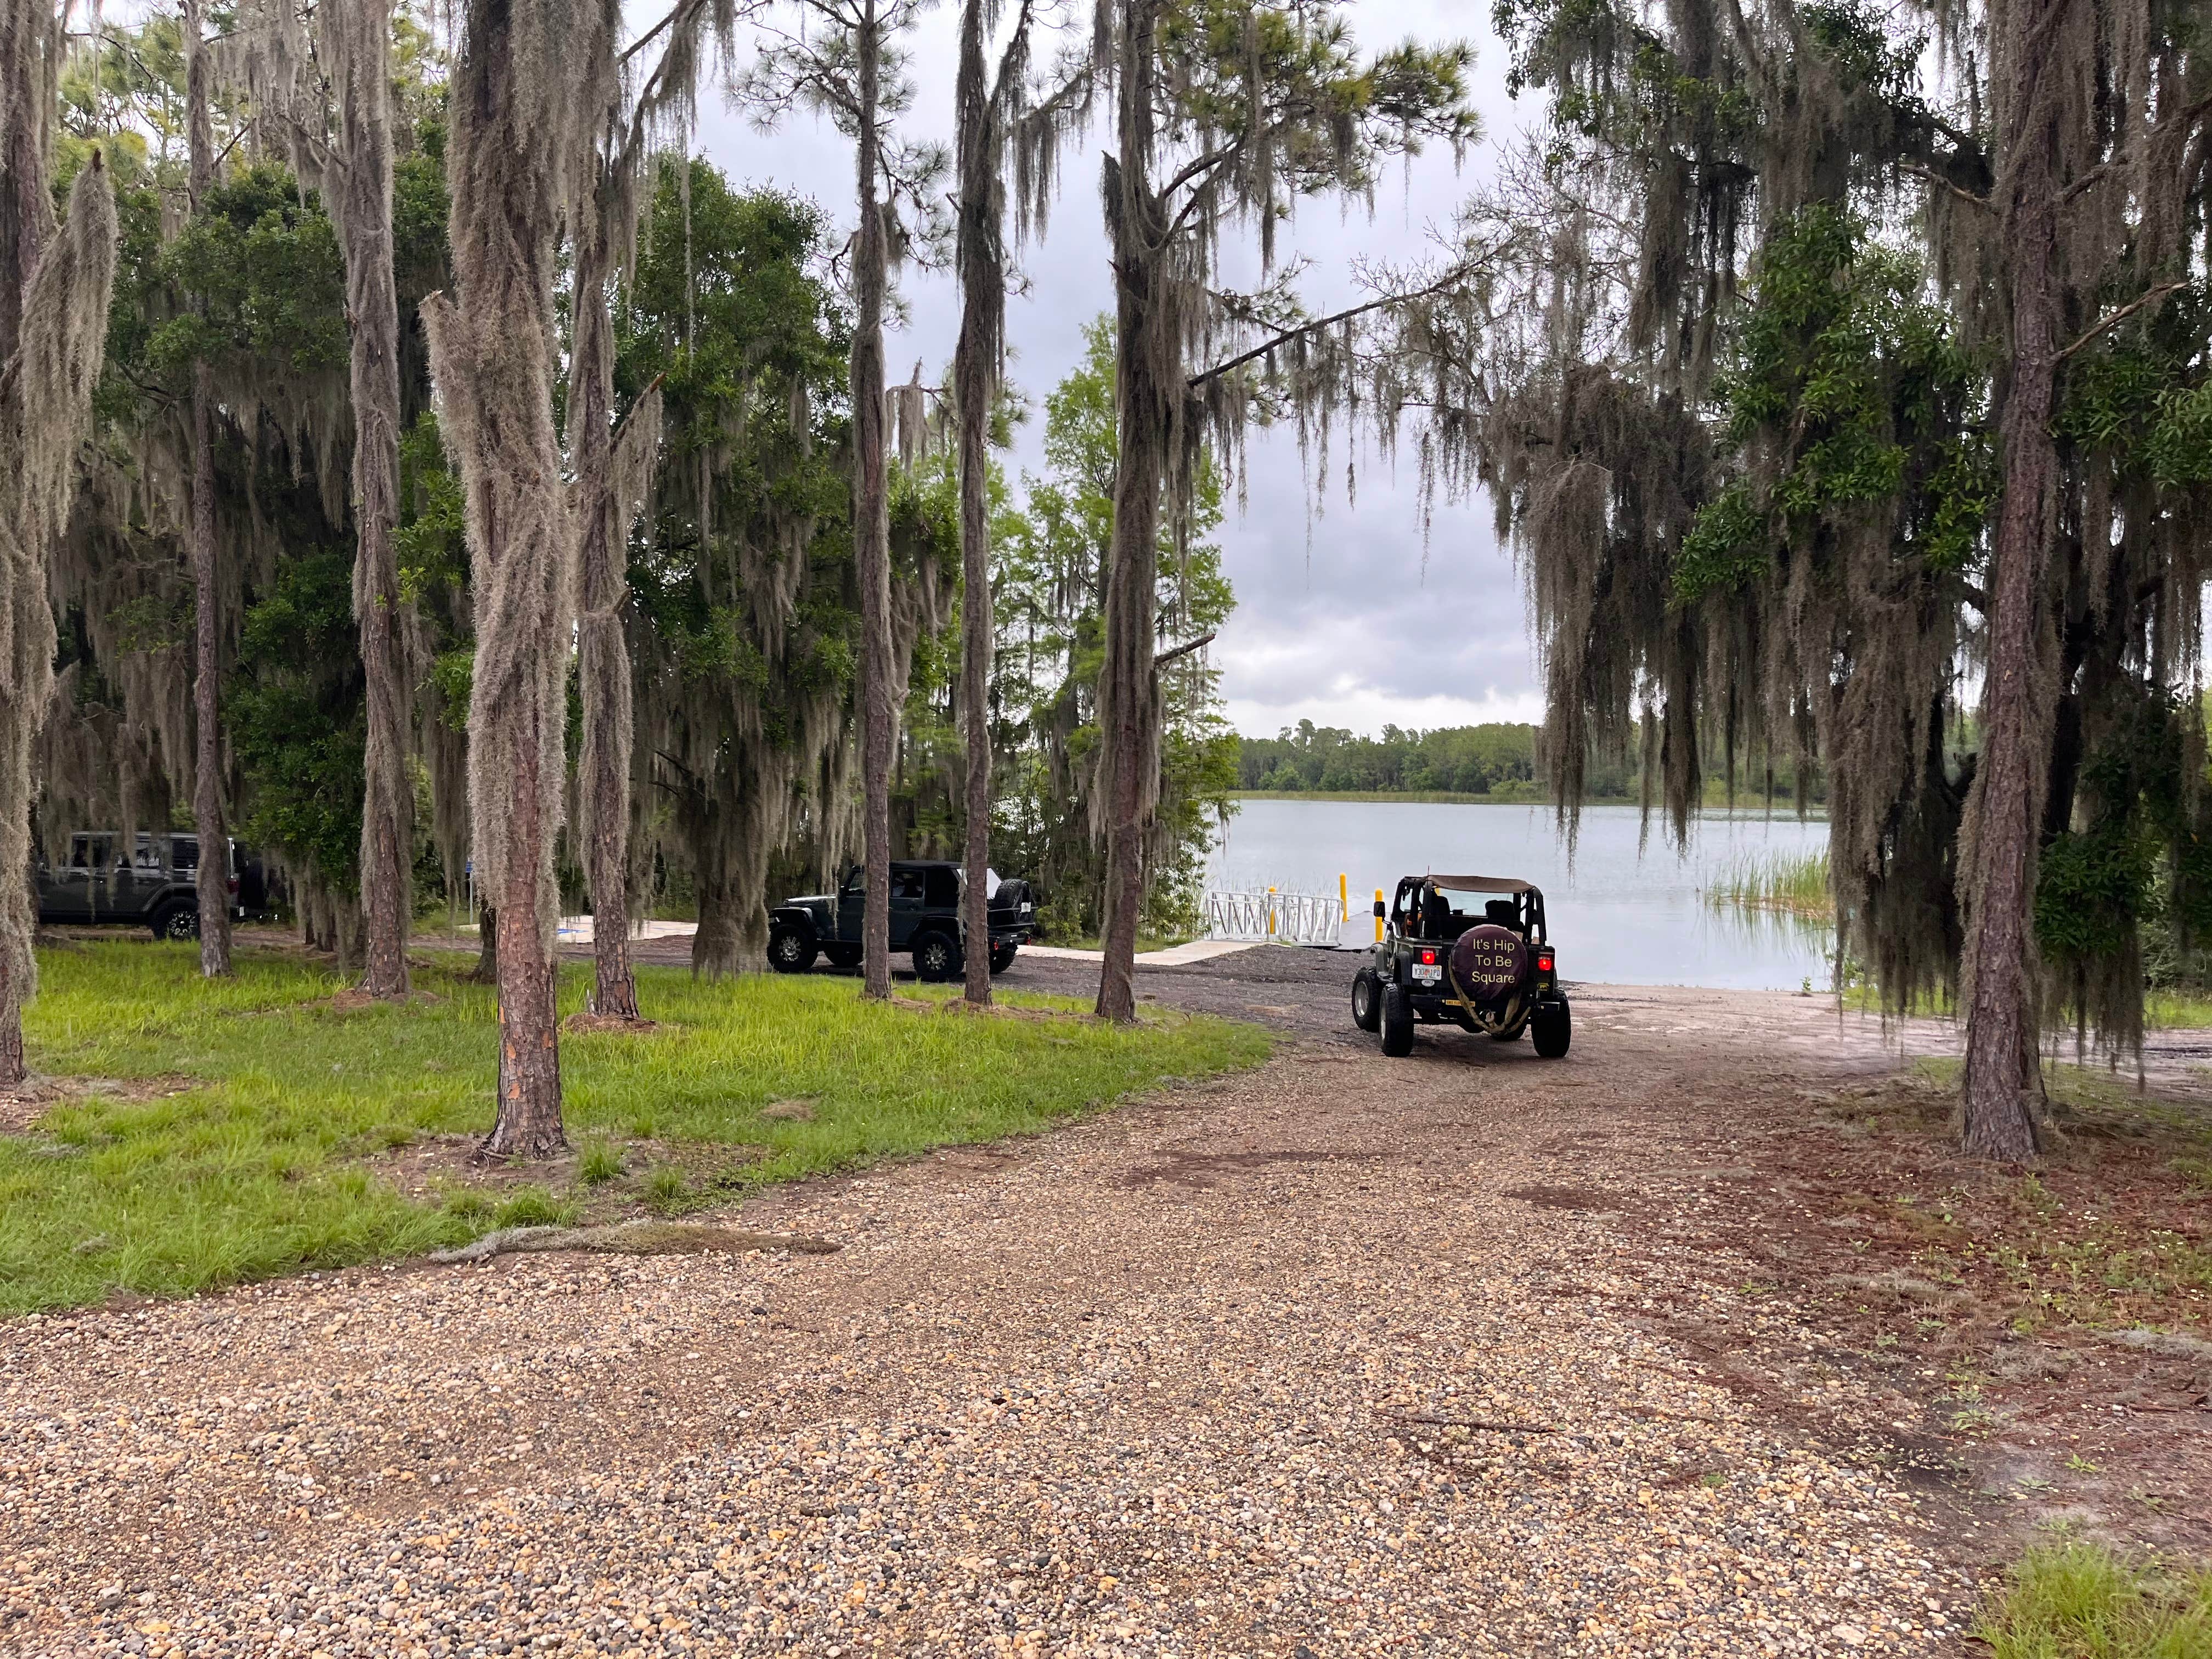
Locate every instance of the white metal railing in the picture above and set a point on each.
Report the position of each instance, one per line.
(1281, 918)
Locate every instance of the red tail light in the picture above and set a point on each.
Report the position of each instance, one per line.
(1428, 958)
(1544, 963)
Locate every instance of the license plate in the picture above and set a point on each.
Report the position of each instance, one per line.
(1429, 975)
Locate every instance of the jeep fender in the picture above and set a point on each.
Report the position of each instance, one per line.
(794, 915)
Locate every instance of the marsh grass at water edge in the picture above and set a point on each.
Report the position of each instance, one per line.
(207, 1132)
(1795, 883)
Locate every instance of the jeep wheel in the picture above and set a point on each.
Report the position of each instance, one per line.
(1366, 1011)
(789, 951)
(176, 921)
(936, 958)
(1554, 1028)
(1397, 1022)
(1002, 956)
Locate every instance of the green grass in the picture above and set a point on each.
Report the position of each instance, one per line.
(261, 1159)
(1796, 883)
(2173, 1009)
(2074, 1600)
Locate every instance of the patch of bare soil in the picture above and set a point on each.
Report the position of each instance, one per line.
(1564, 1198)
(998, 1010)
(353, 1000)
(431, 1164)
(2041, 1333)
(585, 1023)
(24, 1103)
(431, 1167)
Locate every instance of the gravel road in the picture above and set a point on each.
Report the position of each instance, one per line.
(1335, 1358)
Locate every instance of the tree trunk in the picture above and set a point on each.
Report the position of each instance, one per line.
(1147, 352)
(2003, 1080)
(51, 341)
(486, 971)
(362, 84)
(212, 883)
(871, 524)
(603, 667)
(975, 372)
(28, 43)
(512, 112)
(718, 946)
(529, 1121)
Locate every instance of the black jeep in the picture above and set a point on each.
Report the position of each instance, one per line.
(151, 887)
(925, 919)
(1448, 952)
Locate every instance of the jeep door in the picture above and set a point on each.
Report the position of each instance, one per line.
(56, 893)
(852, 904)
(80, 887)
(132, 886)
(907, 902)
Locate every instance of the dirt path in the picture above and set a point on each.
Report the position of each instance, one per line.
(1331, 1358)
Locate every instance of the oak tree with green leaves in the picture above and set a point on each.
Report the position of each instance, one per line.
(1851, 366)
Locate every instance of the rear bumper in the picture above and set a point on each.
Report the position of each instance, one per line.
(1441, 1009)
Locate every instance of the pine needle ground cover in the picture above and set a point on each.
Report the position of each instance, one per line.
(206, 1133)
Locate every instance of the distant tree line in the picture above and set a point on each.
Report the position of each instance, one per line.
(1464, 759)
(1499, 760)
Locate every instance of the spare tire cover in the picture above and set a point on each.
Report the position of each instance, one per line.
(1489, 963)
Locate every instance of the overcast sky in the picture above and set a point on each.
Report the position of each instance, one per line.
(1340, 620)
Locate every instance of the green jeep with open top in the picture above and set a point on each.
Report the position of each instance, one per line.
(1471, 950)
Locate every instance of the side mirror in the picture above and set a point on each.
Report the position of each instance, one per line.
(1381, 909)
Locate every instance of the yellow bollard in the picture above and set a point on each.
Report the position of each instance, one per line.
(1343, 898)
(1271, 912)
(1378, 915)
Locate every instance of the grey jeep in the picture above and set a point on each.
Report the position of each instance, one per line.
(925, 918)
(152, 886)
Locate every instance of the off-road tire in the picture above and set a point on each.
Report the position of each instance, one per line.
(1554, 1028)
(1397, 1022)
(178, 921)
(790, 951)
(1366, 1001)
(1002, 957)
(936, 958)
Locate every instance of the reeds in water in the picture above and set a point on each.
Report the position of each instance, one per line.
(1796, 883)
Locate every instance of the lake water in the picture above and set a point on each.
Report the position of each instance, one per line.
(1621, 914)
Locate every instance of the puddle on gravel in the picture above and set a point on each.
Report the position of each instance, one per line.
(1564, 1198)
